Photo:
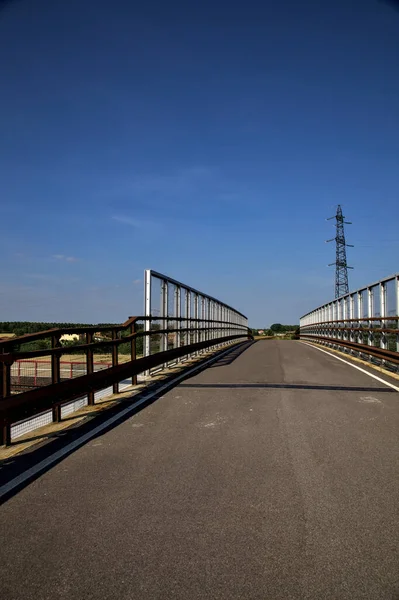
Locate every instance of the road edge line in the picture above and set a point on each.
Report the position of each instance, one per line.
(391, 385)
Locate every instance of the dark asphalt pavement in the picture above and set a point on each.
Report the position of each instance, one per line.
(272, 476)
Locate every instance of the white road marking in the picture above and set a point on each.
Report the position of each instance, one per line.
(20, 479)
(370, 400)
(394, 387)
(218, 421)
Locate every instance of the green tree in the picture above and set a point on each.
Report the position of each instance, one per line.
(43, 344)
(277, 328)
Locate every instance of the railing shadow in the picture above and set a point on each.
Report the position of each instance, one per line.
(230, 357)
(54, 442)
(13, 467)
(287, 386)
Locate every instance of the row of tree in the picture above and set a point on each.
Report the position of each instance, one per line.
(279, 328)
(276, 328)
(24, 327)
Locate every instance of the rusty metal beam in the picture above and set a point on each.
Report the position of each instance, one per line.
(13, 356)
(387, 355)
(48, 333)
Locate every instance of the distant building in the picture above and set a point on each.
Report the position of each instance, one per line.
(69, 337)
(261, 331)
(102, 337)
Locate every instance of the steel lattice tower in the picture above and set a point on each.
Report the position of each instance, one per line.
(341, 266)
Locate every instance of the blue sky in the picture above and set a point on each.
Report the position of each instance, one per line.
(208, 141)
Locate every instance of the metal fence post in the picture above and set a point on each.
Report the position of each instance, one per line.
(187, 322)
(217, 316)
(147, 313)
(1, 374)
(397, 311)
(55, 374)
(164, 313)
(6, 383)
(5, 390)
(133, 350)
(5, 434)
(208, 312)
(203, 317)
(115, 347)
(370, 340)
(177, 310)
(360, 316)
(383, 312)
(90, 365)
(196, 321)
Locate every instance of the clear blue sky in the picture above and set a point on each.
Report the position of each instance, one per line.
(206, 140)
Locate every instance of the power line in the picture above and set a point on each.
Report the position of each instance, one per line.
(341, 266)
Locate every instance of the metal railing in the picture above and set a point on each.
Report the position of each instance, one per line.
(139, 345)
(364, 322)
(30, 374)
(195, 316)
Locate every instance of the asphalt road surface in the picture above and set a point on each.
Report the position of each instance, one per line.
(271, 475)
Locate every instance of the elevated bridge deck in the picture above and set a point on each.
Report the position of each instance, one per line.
(272, 474)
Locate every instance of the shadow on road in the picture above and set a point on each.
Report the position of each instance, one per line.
(232, 355)
(287, 386)
(18, 465)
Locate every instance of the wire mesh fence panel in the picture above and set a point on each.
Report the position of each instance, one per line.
(186, 316)
(365, 304)
(156, 338)
(194, 314)
(375, 301)
(171, 312)
(176, 317)
(364, 321)
(30, 374)
(392, 342)
(73, 369)
(183, 299)
(391, 300)
(355, 307)
(156, 285)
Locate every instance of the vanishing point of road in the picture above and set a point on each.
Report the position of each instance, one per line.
(272, 475)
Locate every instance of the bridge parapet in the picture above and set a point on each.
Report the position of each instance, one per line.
(364, 322)
(179, 322)
(185, 314)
